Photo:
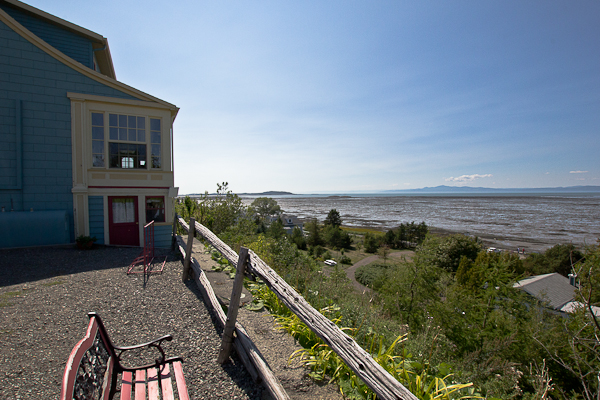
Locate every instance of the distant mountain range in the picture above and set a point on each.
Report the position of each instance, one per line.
(469, 189)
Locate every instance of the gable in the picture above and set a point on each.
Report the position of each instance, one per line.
(73, 45)
(14, 59)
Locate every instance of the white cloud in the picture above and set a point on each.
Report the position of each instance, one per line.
(579, 172)
(467, 178)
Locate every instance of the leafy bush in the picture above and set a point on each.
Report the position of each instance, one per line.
(371, 275)
(447, 252)
(559, 258)
(371, 242)
(345, 260)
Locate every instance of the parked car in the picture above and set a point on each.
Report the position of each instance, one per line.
(331, 263)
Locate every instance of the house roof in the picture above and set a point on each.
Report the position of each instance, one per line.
(573, 306)
(100, 45)
(291, 217)
(552, 288)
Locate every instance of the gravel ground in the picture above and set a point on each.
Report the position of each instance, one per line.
(46, 293)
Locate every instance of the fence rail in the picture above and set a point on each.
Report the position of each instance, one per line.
(357, 359)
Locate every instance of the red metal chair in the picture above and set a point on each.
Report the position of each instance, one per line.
(146, 257)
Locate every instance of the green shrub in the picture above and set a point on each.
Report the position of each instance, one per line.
(371, 275)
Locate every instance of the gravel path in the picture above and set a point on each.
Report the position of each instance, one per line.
(46, 293)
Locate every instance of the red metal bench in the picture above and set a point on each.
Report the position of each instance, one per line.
(95, 364)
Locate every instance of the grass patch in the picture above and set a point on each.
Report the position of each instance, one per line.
(372, 274)
(53, 283)
(4, 298)
(360, 231)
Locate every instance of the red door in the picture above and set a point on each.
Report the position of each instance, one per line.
(123, 225)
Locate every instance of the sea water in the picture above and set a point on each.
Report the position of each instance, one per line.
(509, 221)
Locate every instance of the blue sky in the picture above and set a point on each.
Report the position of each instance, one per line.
(337, 96)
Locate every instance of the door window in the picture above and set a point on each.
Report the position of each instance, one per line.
(123, 210)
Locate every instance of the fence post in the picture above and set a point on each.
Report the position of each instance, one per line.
(173, 237)
(234, 305)
(188, 250)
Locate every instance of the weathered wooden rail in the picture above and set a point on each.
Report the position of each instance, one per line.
(245, 348)
(357, 359)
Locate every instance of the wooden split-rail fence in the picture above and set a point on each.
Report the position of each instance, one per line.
(248, 263)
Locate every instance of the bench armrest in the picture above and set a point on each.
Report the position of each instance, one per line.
(157, 343)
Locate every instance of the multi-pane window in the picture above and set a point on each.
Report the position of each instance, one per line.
(127, 155)
(127, 141)
(155, 141)
(155, 209)
(98, 139)
(127, 128)
(128, 137)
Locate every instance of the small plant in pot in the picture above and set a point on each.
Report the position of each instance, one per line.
(85, 242)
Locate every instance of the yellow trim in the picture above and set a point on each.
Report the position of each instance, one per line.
(68, 61)
(116, 100)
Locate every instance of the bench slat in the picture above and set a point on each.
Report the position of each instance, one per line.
(152, 384)
(140, 384)
(165, 382)
(181, 387)
(126, 385)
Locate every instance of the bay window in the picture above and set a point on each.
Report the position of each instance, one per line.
(128, 141)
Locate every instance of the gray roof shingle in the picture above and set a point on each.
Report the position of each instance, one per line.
(552, 288)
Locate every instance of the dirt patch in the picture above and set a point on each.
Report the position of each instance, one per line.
(275, 345)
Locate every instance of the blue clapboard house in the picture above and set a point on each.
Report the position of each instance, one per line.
(80, 152)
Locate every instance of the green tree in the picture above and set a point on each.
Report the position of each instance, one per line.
(333, 218)
(371, 242)
(222, 210)
(447, 252)
(298, 238)
(265, 207)
(276, 230)
(314, 233)
(408, 290)
(384, 252)
(336, 238)
(559, 258)
(189, 208)
(391, 239)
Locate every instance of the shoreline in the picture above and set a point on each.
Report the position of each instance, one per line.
(501, 242)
